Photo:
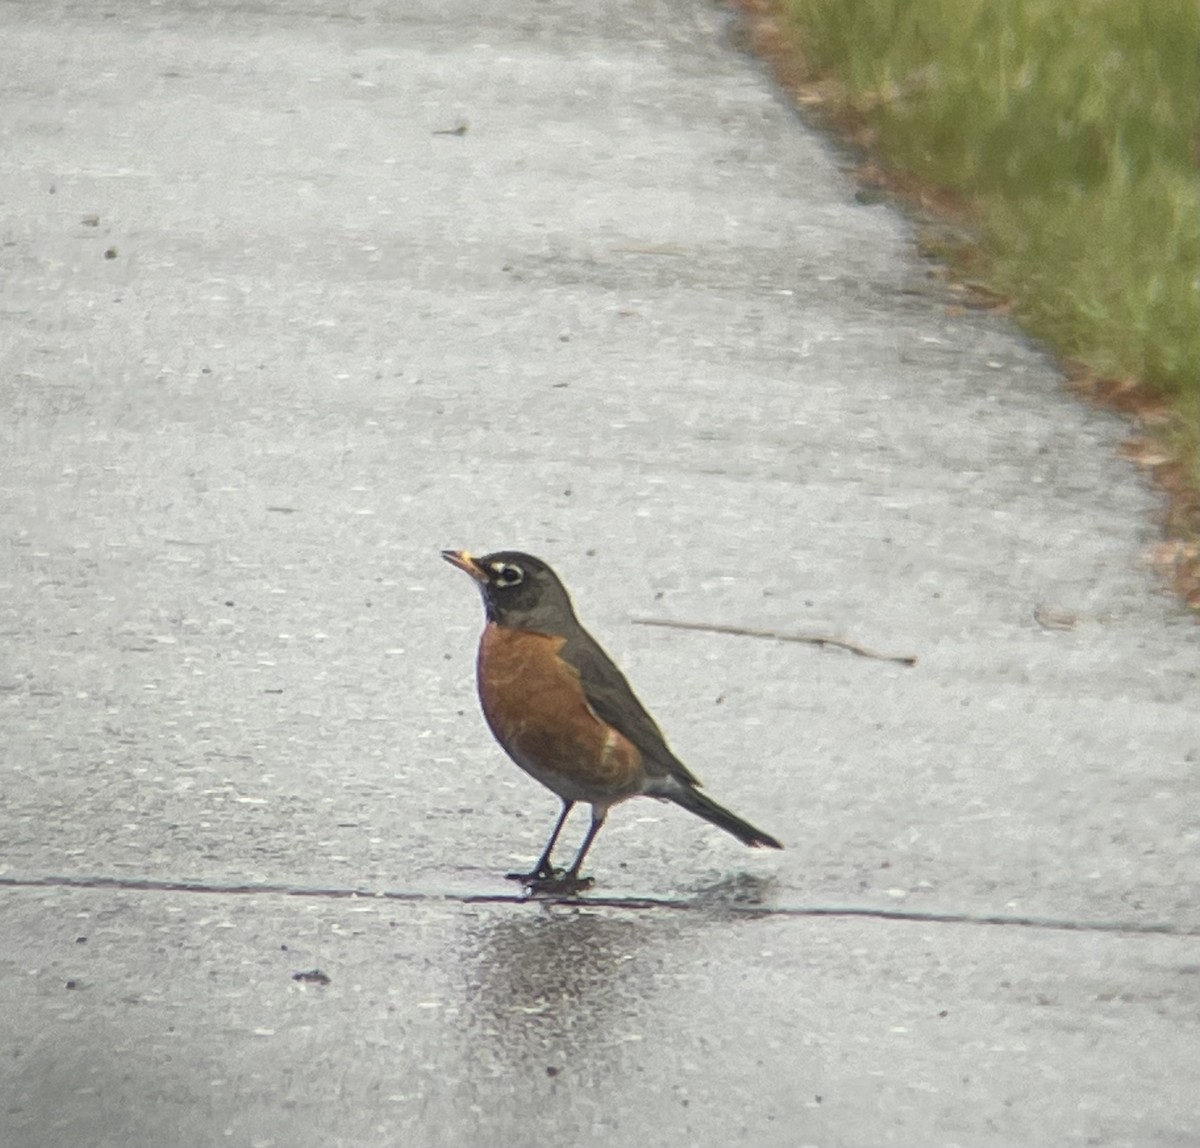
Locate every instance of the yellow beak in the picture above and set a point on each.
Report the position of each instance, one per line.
(466, 563)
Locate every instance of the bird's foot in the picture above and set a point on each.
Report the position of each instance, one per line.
(559, 884)
(547, 881)
(541, 873)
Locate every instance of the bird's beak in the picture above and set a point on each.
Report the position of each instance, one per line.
(465, 562)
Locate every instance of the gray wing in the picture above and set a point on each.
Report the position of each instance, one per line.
(612, 698)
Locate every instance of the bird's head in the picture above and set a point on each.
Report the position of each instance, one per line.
(518, 590)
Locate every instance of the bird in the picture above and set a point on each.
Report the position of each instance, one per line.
(562, 710)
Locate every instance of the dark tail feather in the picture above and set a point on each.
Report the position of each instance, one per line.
(702, 806)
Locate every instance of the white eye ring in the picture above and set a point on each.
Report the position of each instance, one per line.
(507, 574)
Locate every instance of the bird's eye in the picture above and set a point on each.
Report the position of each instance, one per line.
(506, 574)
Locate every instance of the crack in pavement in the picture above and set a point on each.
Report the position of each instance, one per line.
(702, 901)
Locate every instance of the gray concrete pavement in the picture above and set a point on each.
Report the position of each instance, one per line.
(634, 321)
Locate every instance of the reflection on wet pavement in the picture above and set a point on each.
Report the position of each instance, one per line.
(564, 984)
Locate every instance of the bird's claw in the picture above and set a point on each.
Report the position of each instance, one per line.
(547, 881)
(542, 873)
(559, 885)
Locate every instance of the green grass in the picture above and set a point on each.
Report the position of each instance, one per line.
(1071, 127)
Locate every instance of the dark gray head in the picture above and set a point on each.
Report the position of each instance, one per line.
(519, 590)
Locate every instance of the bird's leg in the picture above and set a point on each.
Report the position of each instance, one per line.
(570, 881)
(543, 870)
(598, 816)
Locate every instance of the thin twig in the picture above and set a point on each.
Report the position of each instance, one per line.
(774, 635)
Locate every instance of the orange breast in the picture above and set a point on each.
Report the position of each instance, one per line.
(536, 707)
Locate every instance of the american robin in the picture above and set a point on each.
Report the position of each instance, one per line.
(565, 714)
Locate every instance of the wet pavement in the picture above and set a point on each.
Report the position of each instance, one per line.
(295, 297)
